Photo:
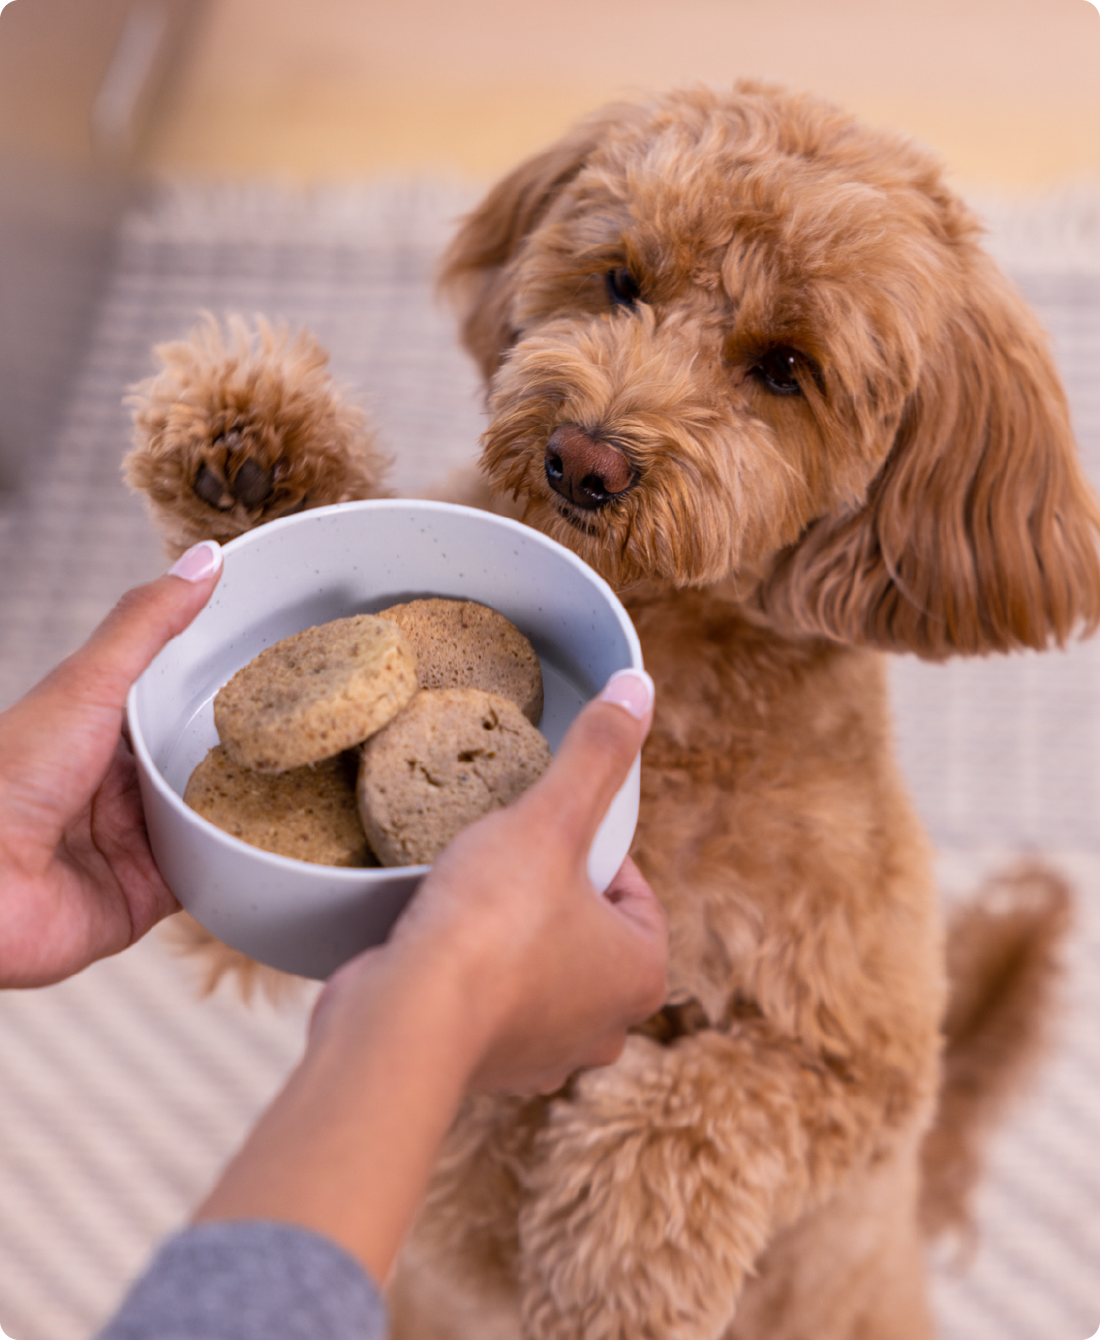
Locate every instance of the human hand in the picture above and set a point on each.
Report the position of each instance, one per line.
(548, 975)
(508, 971)
(77, 878)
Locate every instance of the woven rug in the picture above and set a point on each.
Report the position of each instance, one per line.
(121, 1093)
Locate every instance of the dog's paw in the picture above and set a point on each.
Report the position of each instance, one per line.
(242, 427)
(216, 961)
(640, 1221)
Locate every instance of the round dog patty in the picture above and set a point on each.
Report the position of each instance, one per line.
(315, 694)
(460, 644)
(309, 813)
(451, 756)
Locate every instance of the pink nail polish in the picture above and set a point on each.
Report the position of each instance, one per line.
(202, 560)
(632, 689)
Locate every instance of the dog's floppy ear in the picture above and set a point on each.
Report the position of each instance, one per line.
(980, 532)
(475, 270)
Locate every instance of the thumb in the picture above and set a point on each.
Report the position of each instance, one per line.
(595, 757)
(99, 674)
(60, 738)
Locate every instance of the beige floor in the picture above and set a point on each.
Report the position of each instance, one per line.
(1007, 90)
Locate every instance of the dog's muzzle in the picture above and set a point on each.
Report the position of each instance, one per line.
(585, 471)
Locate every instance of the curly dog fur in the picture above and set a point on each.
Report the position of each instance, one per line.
(748, 359)
(237, 429)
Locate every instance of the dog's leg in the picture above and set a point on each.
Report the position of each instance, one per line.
(456, 1278)
(854, 1269)
(241, 427)
(658, 1185)
(215, 961)
(426, 1304)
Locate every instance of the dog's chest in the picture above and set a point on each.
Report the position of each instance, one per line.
(747, 712)
(769, 790)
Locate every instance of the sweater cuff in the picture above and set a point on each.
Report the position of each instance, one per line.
(250, 1280)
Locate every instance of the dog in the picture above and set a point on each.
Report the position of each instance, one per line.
(748, 359)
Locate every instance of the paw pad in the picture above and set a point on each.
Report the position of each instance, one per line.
(234, 478)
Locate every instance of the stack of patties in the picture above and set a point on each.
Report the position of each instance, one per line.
(375, 739)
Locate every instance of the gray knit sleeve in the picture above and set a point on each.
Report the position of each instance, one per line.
(250, 1280)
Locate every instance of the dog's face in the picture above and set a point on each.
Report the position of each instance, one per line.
(738, 316)
(744, 337)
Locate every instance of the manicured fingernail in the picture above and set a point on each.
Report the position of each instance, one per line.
(200, 561)
(632, 689)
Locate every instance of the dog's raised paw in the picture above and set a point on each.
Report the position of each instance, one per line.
(243, 427)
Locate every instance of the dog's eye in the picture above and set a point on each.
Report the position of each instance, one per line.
(778, 370)
(622, 287)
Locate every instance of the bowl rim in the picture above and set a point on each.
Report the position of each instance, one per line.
(358, 876)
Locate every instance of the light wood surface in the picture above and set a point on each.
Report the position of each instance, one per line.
(1007, 90)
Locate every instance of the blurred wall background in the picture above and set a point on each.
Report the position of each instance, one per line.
(81, 83)
(1008, 90)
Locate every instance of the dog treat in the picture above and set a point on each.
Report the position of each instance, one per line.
(315, 694)
(460, 644)
(309, 813)
(463, 744)
(451, 756)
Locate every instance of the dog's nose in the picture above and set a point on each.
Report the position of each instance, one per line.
(587, 472)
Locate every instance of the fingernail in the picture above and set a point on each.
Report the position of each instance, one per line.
(632, 689)
(200, 561)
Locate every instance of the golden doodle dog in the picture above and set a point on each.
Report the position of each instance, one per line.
(748, 359)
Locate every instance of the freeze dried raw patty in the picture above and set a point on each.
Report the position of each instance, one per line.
(315, 694)
(309, 813)
(460, 644)
(450, 757)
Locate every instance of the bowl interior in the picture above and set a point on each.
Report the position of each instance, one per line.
(358, 558)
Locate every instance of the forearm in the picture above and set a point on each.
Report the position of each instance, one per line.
(347, 1147)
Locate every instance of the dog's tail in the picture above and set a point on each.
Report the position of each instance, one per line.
(1003, 955)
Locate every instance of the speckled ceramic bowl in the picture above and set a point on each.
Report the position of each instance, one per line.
(325, 564)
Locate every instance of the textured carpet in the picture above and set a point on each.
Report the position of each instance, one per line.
(121, 1094)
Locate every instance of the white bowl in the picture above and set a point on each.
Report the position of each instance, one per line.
(325, 564)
